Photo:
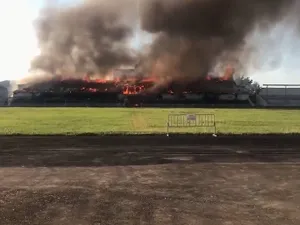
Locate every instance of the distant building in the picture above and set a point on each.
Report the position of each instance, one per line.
(5, 83)
(3, 95)
(10, 85)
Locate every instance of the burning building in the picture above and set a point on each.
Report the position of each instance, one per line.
(131, 90)
(188, 40)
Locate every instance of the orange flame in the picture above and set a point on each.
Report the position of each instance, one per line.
(228, 73)
(133, 85)
(133, 89)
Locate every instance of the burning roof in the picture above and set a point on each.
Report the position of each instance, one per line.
(131, 84)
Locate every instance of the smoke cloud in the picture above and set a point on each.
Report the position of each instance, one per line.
(190, 38)
(201, 36)
(273, 53)
(90, 37)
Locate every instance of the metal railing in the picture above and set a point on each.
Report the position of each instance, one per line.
(191, 120)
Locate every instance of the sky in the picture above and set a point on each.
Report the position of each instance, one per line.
(18, 44)
(17, 21)
(16, 17)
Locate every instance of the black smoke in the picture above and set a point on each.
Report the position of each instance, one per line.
(90, 37)
(191, 37)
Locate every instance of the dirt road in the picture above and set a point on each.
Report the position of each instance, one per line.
(149, 180)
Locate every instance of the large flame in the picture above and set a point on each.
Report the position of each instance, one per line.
(133, 84)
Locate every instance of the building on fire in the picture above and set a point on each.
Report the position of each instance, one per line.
(209, 90)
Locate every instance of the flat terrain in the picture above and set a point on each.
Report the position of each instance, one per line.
(150, 180)
(74, 121)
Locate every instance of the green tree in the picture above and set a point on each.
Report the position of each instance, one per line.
(248, 84)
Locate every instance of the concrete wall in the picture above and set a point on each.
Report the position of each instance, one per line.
(3, 95)
(279, 97)
(280, 91)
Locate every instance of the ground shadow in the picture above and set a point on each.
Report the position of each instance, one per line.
(111, 157)
(94, 151)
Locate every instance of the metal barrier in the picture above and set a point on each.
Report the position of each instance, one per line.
(191, 120)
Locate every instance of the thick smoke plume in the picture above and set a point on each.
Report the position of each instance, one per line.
(90, 37)
(191, 38)
(199, 36)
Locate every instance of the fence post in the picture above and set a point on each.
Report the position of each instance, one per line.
(168, 128)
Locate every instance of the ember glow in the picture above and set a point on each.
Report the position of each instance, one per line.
(132, 85)
(128, 86)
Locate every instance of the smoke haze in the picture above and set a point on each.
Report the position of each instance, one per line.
(190, 38)
(275, 51)
(90, 37)
(200, 36)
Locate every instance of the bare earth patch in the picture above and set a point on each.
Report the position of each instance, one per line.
(149, 180)
(181, 193)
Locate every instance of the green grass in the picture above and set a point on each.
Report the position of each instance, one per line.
(71, 121)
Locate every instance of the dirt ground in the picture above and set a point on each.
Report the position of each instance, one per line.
(150, 180)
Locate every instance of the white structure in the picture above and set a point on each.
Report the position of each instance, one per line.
(285, 95)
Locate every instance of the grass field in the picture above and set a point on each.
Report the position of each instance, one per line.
(71, 121)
